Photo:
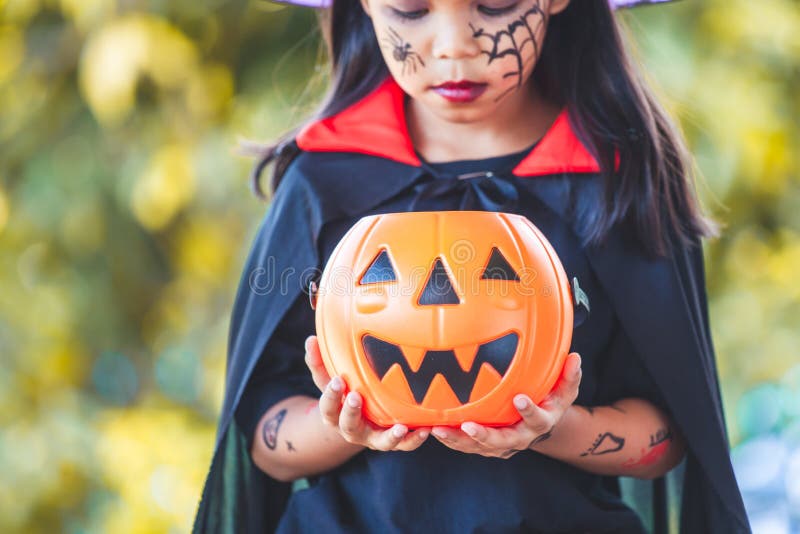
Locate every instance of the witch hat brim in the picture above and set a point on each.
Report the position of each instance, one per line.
(616, 4)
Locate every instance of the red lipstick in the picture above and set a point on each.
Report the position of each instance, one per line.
(460, 91)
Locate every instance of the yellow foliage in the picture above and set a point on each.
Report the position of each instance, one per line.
(3, 210)
(84, 228)
(203, 250)
(209, 91)
(155, 459)
(771, 24)
(63, 366)
(164, 188)
(170, 313)
(86, 14)
(119, 54)
(20, 11)
(12, 51)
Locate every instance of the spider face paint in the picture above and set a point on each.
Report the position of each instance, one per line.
(512, 41)
(401, 51)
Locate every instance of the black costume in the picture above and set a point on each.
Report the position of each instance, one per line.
(647, 336)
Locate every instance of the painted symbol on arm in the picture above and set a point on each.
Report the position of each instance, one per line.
(269, 432)
(530, 21)
(604, 444)
(311, 406)
(659, 445)
(401, 51)
(541, 438)
(662, 435)
(538, 439)
(290, 446)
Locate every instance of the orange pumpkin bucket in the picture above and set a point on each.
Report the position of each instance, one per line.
(437, 318)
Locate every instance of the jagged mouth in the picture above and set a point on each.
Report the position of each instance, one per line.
(497, 354)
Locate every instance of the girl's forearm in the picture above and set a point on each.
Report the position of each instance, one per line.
(292, 442)
(631, 437)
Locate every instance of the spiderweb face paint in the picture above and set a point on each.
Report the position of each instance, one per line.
(517, 45)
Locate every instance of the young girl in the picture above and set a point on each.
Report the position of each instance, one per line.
(522, 106)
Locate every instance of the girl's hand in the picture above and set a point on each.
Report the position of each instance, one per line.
(536, 426)
(344, 412)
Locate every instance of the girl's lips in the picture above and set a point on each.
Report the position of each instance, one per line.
(460, 91)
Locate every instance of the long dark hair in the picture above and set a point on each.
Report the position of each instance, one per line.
(584, 65)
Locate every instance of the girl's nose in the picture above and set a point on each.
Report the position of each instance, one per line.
(455, 40)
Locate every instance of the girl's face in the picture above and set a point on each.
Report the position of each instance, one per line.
(494, 44)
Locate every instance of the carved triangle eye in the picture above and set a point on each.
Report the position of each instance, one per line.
(380, 270)
(439, 288)
(498, 268)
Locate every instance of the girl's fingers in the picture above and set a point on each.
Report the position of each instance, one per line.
(500, 438)
(568, 387)
(330, 402)
(314, 362)
(389, 439)
(351, 422)
(355, 429)
(534, 418)
(574, 374)
(414, 439)
(344, 411)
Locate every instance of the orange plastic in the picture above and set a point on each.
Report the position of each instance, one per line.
(409, 315)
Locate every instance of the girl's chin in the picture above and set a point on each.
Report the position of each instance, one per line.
(476, 110)
(464, 115)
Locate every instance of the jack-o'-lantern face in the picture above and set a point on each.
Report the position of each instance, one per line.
(440, 317)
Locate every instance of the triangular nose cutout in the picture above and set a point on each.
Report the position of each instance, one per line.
(439, 288)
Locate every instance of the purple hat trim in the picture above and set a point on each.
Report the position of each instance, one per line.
(616, 4)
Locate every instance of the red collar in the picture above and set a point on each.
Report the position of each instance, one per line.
(376, 125)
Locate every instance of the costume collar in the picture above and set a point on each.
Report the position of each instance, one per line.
(376, 125)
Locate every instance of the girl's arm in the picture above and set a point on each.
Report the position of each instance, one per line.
(302, 436)
(631, 437)
(291, 441)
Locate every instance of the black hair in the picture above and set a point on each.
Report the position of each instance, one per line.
(584, 66)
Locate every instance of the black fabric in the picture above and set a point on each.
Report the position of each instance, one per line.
(658, 347)
(276, 379)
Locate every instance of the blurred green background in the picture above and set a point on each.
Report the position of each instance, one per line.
(125, 217)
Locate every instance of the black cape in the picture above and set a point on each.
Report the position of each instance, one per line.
(661, 304)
